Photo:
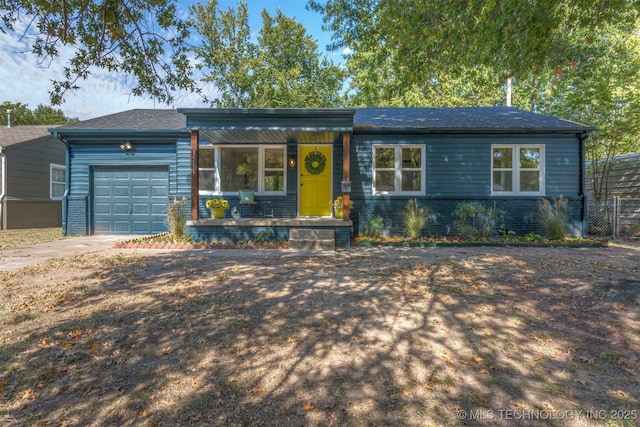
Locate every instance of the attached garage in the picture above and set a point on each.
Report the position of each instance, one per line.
(131, 200)
(123, 170)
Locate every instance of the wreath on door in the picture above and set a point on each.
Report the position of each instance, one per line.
(315, 162)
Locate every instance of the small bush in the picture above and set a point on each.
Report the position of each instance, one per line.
(475, 221)
(414, 219)
(374, 226)
(554, 217)
(177, 217)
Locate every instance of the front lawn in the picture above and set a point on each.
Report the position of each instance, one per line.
(360, 337)
(27, 236)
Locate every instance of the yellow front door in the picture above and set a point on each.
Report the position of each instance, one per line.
(315, 180)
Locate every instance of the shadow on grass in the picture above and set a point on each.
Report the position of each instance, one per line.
(374, 337)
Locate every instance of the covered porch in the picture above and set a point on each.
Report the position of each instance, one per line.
(293, 161)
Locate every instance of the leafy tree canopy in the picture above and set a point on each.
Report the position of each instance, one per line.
(282, 68)
(42, 115)
(140, 38)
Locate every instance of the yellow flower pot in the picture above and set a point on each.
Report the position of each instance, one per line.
(217, 213)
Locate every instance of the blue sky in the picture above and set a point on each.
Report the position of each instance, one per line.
(24, 80)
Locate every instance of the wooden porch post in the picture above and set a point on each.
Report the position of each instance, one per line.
(195, 186)
(346, 175)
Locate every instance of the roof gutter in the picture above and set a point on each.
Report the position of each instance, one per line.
(67, 178)
(466, 131)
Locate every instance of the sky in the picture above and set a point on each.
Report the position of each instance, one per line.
(23, 80)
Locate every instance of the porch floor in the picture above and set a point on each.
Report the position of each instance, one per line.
(271, 222)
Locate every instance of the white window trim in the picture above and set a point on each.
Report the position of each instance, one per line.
(398, 170)
(53, 166)
(261, 169)
(515, 170)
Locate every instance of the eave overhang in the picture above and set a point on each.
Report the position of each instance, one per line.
(98, 136)
(270, 119)
(360, 129)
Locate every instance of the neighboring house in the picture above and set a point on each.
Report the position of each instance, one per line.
(124, 168)
(32, 177)
(622, 182)
(622, 179)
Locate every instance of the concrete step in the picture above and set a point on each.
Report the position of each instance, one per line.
(308, 238)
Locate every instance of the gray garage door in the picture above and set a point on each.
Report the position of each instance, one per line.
(130, 200)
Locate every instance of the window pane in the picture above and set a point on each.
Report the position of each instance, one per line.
(274, 158)
(530, 181)
(384, 158)
(530, 158)
(239, 169)
(57, 175)
(411, 180)
(384, 181)
(502, 158)
(411, 157)
(206, 180)
(57, 190)
(502, 181)
(274, 181)
(205, 158)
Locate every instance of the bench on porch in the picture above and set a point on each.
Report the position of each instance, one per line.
(248, 200)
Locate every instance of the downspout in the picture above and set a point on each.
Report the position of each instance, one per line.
(67, 178)
(583, 182)
(3, 189)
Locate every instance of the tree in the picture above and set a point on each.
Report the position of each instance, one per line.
(283, 68)
(42, 115)
(140, 38)
(20, 113)
(577, 60)
(513, 37)
(600, 87)
(47, 115)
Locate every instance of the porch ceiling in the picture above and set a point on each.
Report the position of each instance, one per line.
(216, 136)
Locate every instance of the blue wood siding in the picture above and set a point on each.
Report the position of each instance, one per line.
(284, 206)
(84, 157)
(458, 169)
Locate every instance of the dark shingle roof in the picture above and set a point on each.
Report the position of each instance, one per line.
(460, 119)
(137, 120)
(19, 134)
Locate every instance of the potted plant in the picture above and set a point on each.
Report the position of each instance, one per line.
(338, 206)
(217, 207)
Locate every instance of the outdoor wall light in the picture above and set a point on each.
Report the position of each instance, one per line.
(292, 161)
(126, 146)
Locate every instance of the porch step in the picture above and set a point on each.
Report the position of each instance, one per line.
(308, 238)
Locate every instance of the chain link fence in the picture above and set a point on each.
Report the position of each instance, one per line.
(615, 218)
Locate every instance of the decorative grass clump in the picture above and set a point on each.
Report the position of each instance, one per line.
(414, 219)
(554, 217)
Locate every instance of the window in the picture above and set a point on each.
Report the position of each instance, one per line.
(57, 181)
(226, 169)
(398, 169)
(517, 169)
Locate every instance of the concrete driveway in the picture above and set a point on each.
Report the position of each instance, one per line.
(27, 255)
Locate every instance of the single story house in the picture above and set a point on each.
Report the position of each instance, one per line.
(124, 168)
(32, 177)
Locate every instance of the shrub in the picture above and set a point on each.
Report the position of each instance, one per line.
(177, 217)
(414, 219)
(475, 221)
(374, 226)
(554, 217)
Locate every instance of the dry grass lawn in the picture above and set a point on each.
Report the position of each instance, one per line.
(403, 337)
(18, 237)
